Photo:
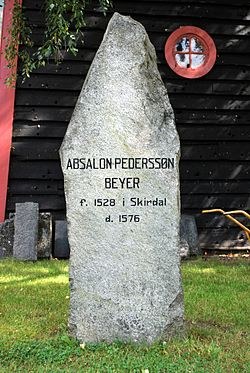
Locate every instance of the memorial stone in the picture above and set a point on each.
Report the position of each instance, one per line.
(184, 249)
(44, 239)
(26, 231)
(61, 246)
(6, 237)
(120, 161)
(189, 233)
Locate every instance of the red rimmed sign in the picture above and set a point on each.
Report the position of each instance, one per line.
(190, 52)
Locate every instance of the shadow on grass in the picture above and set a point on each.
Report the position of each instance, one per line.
(14, 272)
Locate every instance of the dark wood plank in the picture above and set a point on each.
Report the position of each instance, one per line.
(234, 187)
(223, 58)
(78, 68)
(221, 238)
(186, 132)
(214, 133)
(36, 114)
(93, 38)
(214, 170)
(197, 117)
(39, 170)
(224, 44)
(73, 67)
(96, 22)
(232, 151)
(38, 4)
(46, 202)
(215, 220)
(35, 149)
(225, 202)
(171, 8)
(87, 54)
(49, 82)
(233, 88)
(189, 170)
(66, 98)
(183, 101)
(234, 3)
(46, 98)
(217, 73)
(230, 248)
(211, 88)
(224, 117)
(168, 24)
(67, 82)
(39, 129)
(234, 59)
(74, 83)
(24, 186)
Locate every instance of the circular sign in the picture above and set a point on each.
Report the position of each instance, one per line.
(190, 52)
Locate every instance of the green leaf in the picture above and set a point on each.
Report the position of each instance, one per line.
(60, 17)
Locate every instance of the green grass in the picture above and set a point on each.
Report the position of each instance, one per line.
(34, 301)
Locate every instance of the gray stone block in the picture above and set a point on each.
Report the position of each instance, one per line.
(44, 245)
(184, 249)
(189, 233)
(26, 231)
(6, 237)
(61, 244)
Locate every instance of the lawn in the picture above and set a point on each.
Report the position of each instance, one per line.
(34, 300)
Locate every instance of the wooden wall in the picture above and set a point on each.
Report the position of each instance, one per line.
(212, 113)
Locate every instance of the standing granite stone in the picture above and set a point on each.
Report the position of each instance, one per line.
(184, 249)
(189, 233)
(6, 237)
(120, 161)
(44, 239)
(26, 231)
(61, 245)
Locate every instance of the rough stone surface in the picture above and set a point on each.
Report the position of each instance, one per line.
(6, 237)
(124, 275)
(188, 232)
(44, 242)
(61, 245)
(26, 231)
(184, 249)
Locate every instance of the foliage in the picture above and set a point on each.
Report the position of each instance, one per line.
(19, 33)
(34, 301)
(64, 25)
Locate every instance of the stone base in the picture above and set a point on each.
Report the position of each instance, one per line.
(61, 245)
(189, 234)
(44, 245)
(6, 237)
